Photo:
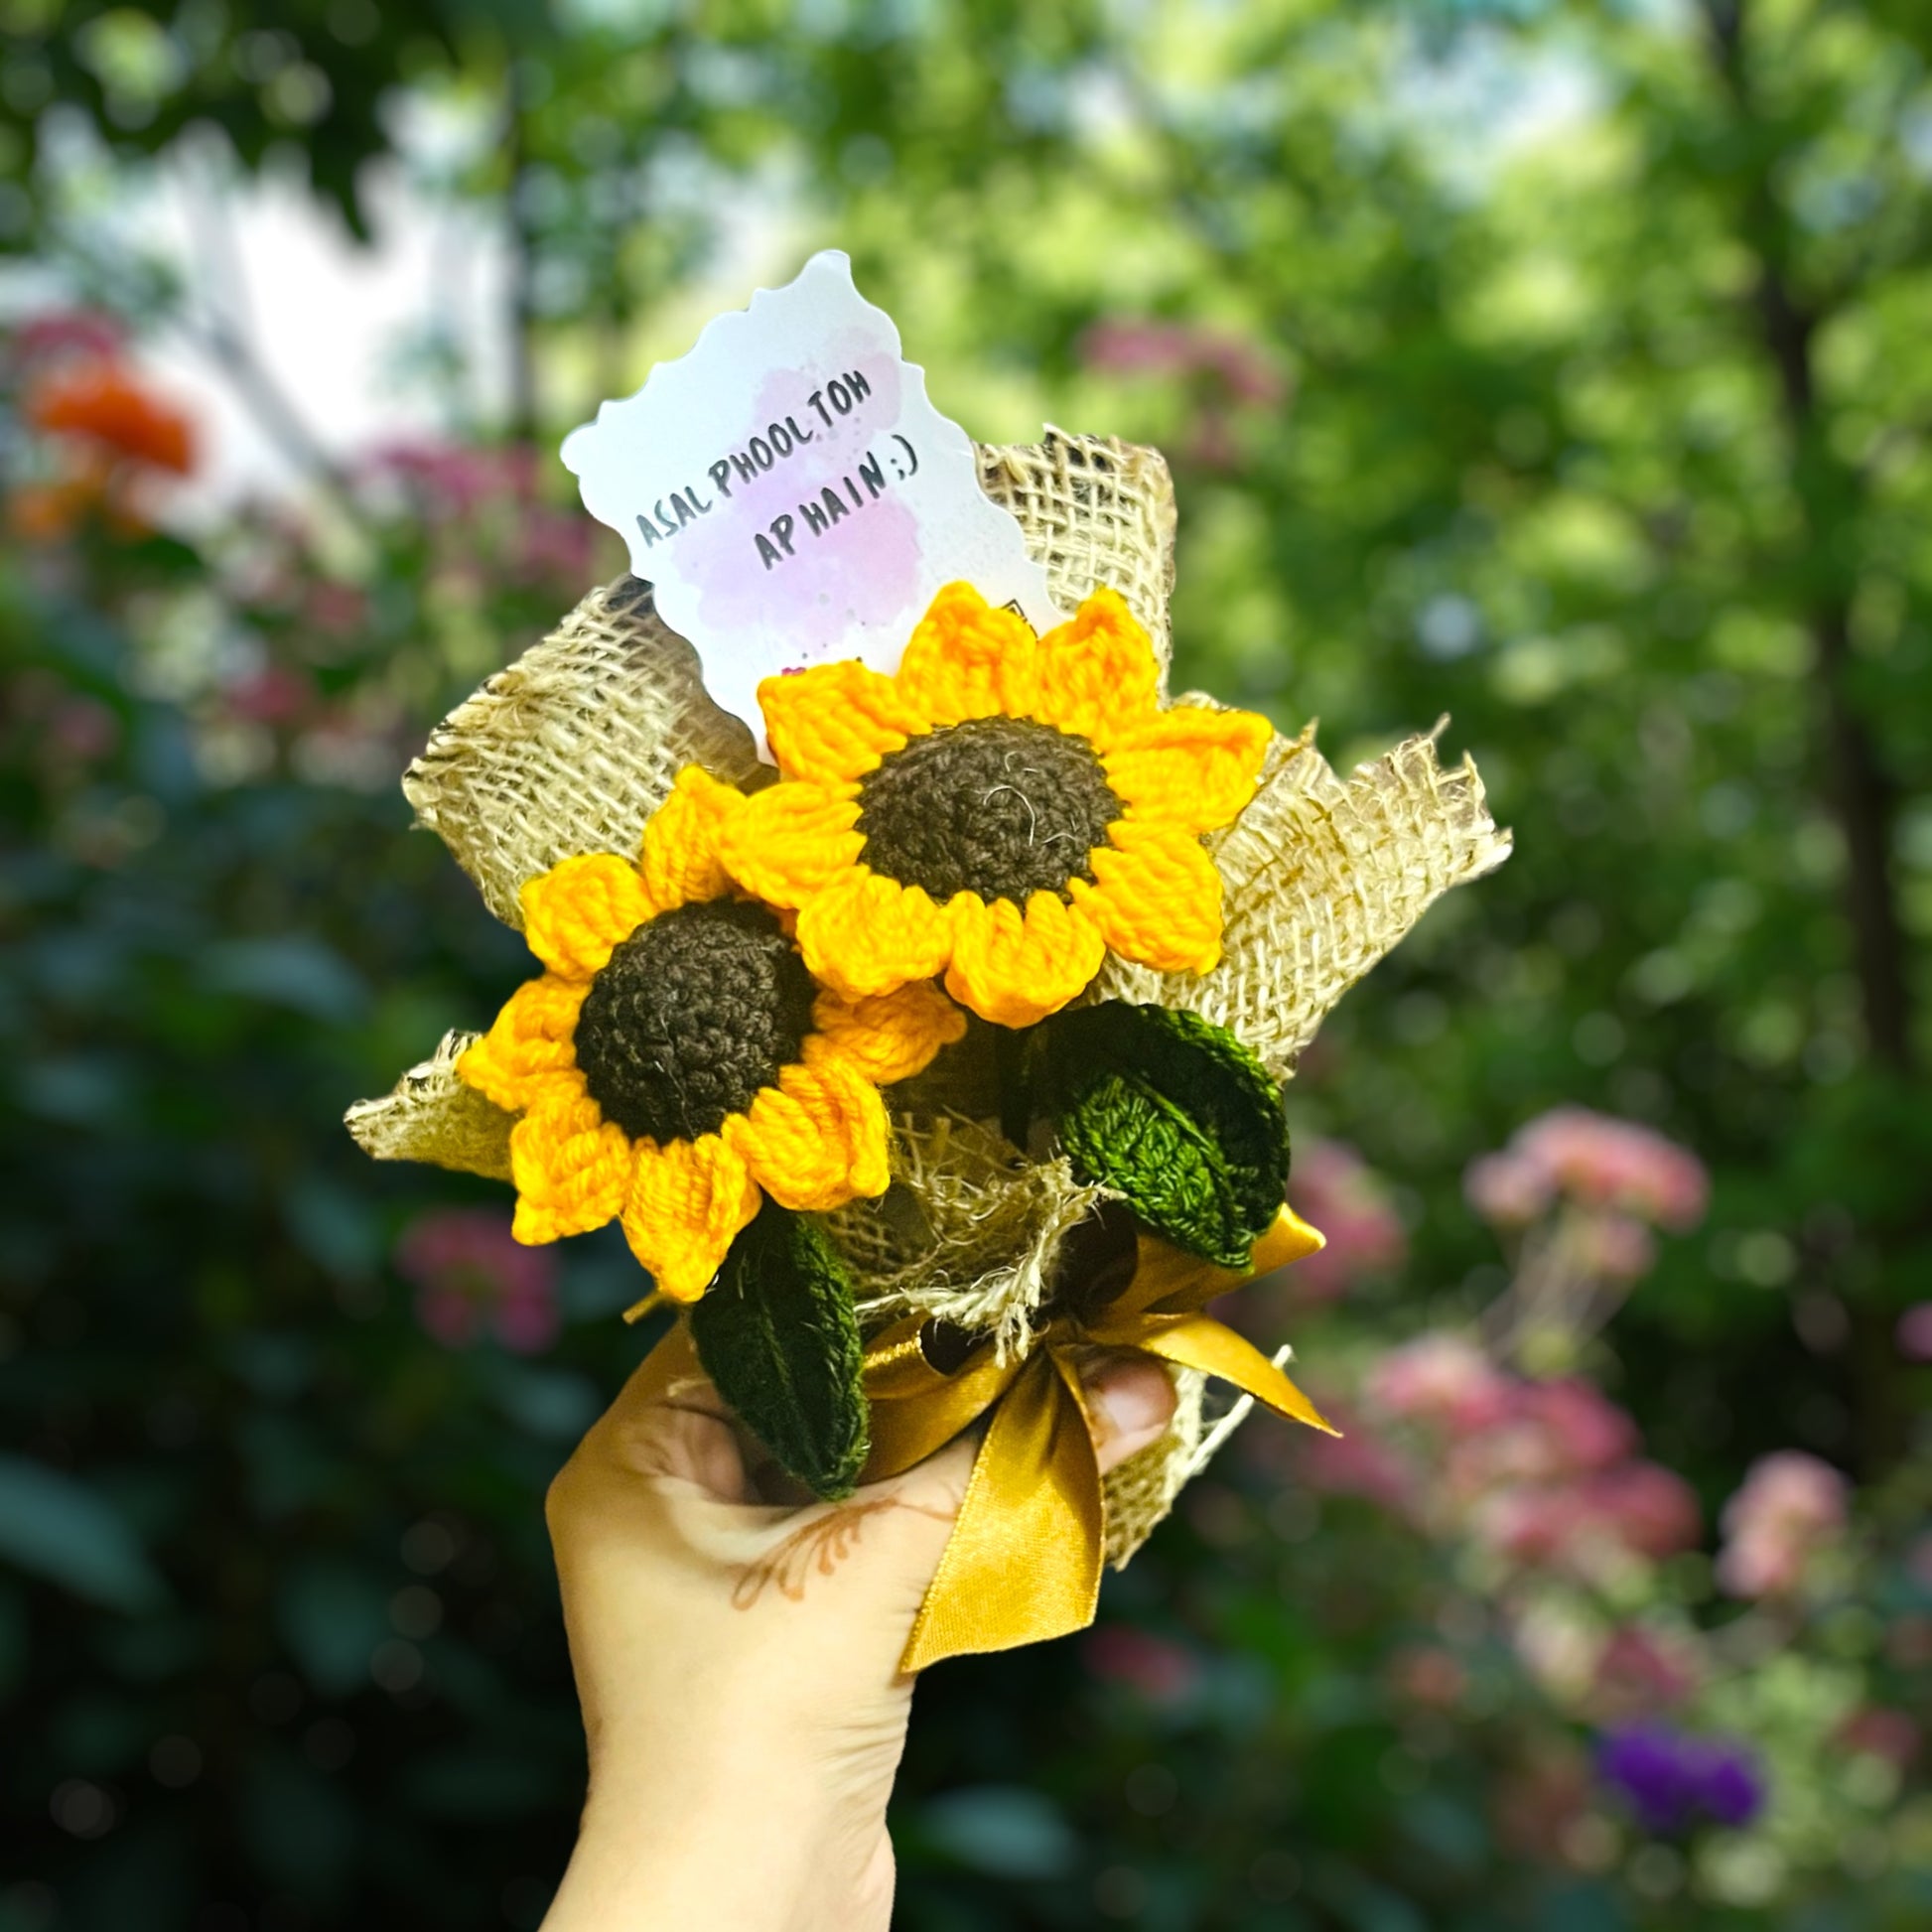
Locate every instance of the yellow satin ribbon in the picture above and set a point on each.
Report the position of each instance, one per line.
(1024, 1558)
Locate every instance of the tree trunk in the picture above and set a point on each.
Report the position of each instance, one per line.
(524, 415)
(1862, 796)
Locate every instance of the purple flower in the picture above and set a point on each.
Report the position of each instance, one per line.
(1674, 1781)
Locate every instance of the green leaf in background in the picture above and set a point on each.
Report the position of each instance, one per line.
(778, 1336)
(330, 1614)
(1002, 1830)
(65, 1532)
(1173, 1112)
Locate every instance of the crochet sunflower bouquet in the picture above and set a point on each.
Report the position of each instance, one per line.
(949, 1045)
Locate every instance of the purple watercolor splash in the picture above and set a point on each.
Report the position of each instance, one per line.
(862, 569)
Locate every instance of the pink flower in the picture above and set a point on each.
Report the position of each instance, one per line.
(1915, 1332)
(555, 543)
(1358, 1462)
(1649, 1509)
(1162, 1672)
(1428, 1675)
(1530, 1523)
(82, 729)
(1594, 1160)
(1616, 1162)
(1581, 1427)
(1440, 1378)
(338, 610)
(1506, 1190)
(86, 332)
(273, 695)
(1119, 345)
(451, 479)
(1126, 345)
(1639, 1673)
(1882, 1733)
(1337, 1190)
(470, 1275)
(1633, 1509)
(1790, 1502)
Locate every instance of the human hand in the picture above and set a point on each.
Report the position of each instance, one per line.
(737, 1658)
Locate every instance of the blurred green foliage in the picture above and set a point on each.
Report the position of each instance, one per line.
(1558, 366)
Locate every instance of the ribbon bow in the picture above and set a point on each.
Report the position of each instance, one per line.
(1025, 1556)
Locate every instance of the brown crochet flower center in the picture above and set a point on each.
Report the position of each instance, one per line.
(694, 1013)
(1004, 807)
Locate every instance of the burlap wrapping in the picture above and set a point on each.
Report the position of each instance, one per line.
(572, 749)
(1321, 878)
(1095, 512)
(432, 1116)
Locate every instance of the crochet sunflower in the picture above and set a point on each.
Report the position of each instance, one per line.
(677, 1062)
(1003, 809)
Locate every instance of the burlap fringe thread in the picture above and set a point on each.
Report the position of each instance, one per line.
(571, 749)
(432, 1117)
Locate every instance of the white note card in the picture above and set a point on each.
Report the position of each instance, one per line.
(793, 496)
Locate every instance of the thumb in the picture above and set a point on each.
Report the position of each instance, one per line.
(1130, 1403)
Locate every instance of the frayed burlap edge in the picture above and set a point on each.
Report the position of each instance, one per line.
(432, 1116)
(1320, 878)
(574, 747)
(1095, 512)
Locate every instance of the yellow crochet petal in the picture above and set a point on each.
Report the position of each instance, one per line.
(688, 1201)
(572, 1167)
(531, 1044)
(790, 841)
(816, 1140)
(1016, 968)
(969, 659)
(1189, 766)
(576, 914)
(833, 723)
(867, 934)
(679, 858)
(1098, 673)
(887, 1038)
(1155, 898)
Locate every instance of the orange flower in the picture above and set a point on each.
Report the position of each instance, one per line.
(101, 403)
(676, 1062)
(1004, 809)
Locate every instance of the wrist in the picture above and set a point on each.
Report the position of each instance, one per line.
(768, 1822)
(753, 1859)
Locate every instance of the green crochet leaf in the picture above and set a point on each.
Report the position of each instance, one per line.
(1173, 1112)
(778, 1336)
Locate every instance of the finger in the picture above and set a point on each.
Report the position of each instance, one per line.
(669, 1421)
(695, 1447)
(1129, 1402)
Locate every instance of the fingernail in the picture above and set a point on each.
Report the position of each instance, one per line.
(1133, 1398)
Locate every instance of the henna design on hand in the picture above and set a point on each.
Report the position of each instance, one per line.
(822, 1545)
